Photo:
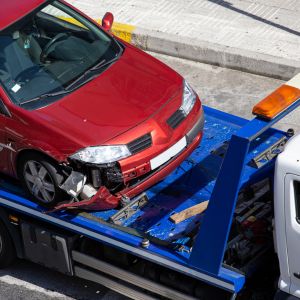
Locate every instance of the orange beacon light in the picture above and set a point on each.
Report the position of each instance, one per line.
(279, 100)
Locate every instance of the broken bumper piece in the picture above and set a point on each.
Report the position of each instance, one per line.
(102, 200)
(91, 199)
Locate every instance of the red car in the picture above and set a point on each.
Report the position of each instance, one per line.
(82, 111)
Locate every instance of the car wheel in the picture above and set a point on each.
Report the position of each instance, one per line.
(41, 178)
(7, 249)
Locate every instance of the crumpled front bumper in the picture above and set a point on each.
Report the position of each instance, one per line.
(194, 137)
(104, 200)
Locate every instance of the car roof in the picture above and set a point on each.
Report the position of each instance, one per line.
(13, 10)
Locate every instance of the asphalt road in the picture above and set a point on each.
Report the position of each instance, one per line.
(231, 91)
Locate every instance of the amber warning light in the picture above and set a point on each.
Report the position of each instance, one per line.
(279, 100)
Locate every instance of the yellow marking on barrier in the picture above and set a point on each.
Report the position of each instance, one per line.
(123, 31)
(72, 21)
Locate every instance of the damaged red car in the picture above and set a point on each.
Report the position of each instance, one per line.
(85, 117)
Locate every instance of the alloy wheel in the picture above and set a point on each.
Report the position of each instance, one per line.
(39, 181)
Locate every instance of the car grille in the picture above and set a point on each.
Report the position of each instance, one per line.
(140, 144)
(176, 119)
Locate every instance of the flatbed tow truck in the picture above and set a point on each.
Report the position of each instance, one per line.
(247, 170)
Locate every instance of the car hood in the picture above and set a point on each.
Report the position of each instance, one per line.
(129, 92)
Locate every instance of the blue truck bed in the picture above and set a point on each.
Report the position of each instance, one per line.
(195, 181)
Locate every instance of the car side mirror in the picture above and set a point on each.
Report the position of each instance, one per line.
(107, 21)
(3, 109)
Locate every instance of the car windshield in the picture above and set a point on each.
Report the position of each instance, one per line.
(50, 50)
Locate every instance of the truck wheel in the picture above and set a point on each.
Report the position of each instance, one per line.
(41, 177)
(7, 249)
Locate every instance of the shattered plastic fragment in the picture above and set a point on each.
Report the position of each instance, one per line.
(74, 184)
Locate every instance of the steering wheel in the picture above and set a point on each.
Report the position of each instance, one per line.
(27, 74)
(57, 38)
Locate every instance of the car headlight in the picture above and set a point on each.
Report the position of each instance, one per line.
(102, 154)
(188, 99)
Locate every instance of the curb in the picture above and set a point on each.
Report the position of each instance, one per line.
(209, 53)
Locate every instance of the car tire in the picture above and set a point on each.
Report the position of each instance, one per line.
(7, 248)
(41, 178)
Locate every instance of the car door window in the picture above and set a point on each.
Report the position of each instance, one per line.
(297, 199)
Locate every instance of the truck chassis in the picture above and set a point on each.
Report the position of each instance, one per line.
(138, 251)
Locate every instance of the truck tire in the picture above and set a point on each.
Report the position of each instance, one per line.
(7, 248)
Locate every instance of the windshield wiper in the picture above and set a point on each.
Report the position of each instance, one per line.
(97, 67)
(48, 95)
(70, 88)
(78, 79)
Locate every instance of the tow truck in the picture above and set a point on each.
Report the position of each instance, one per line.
(248, 172)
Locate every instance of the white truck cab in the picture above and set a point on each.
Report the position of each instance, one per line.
(287, 216)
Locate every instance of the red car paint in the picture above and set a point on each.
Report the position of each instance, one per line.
(11, 11)
(134, 96)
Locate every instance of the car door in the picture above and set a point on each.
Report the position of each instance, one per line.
(5, 148)
(292, 219)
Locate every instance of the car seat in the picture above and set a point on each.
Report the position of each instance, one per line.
(15, 57)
